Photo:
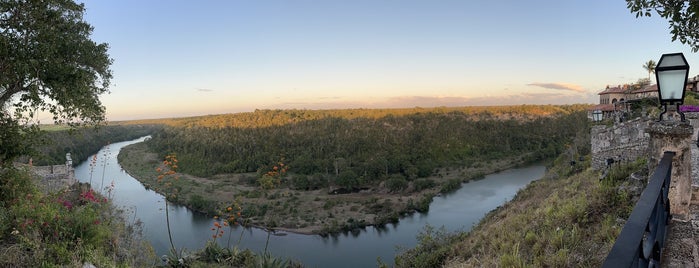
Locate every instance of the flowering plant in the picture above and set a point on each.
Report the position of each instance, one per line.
(689, 108)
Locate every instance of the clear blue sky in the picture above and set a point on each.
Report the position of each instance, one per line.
(181, 58)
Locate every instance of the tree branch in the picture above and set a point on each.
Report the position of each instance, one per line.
(12, 90)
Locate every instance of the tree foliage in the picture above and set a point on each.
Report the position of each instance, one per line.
(356, 151)
(683, 17)
(48, 63)
(649, 67)
(83, 142)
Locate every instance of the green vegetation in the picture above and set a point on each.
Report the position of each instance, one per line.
(338, 159)
(691, 98)
(66, 228)
(76, 226)
(569, 218)
(47, 63)
(681, 15)
(83, 142)
(362, 150)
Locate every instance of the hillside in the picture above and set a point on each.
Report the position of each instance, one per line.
(570, 218)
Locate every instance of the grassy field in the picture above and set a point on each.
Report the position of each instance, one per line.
(53, 127)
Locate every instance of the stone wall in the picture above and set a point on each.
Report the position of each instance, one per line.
(56, 177)
(694, 121)
(625, 142)
(622, 142)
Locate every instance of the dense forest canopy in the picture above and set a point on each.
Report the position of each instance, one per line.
(362, 146)
(266, 118)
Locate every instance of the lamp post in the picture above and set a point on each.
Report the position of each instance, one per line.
(597, 115)
(671, 74)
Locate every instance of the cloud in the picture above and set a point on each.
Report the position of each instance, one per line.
(204, 90)
(558, 86)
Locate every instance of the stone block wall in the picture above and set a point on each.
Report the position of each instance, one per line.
(56, 177)
(628, 141)
(622, 142)
(694, 121)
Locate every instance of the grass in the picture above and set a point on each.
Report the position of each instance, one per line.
(53, 127)
(567, 220)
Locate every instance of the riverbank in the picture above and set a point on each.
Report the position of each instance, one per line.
(306, 212)
(569, 218)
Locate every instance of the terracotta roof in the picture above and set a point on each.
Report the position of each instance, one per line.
(602, 107)
(648, 88)
(612, 90)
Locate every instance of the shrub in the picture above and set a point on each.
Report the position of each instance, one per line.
(396, 182)
(422, 184)
(431, 250)
(450, 186)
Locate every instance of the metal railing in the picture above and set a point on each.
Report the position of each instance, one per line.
(641, 241)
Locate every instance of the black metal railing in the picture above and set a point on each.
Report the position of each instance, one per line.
(641, 241)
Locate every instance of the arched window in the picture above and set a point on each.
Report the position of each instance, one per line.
(614, 100)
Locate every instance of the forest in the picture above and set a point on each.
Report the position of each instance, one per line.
(83, 142)
(360, 147)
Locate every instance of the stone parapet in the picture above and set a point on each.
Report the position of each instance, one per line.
(674, 136)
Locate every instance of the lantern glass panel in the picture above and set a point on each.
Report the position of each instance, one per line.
(671, 60)
(671, 84)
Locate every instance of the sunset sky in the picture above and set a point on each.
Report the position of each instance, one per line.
(183, 58)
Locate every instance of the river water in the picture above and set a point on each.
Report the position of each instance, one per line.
(456, 211)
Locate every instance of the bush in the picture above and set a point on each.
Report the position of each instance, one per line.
(202, 204)
(450, 186)
(431, 250)
(64, 227)
(422, 184)
(396, 183)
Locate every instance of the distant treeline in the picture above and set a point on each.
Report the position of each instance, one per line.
(363, 146)
(266, 118)
(83, 142)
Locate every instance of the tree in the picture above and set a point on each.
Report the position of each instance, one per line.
(683, 17)
(650, 68)
(48, 63)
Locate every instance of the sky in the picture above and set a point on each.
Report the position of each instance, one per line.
(184, 58)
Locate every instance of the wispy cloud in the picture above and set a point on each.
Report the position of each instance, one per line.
(204, 90)
(558, 86)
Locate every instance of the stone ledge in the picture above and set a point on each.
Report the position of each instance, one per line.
(670, 128)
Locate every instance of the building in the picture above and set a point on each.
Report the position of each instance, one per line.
(692, 84)
(649, 91)
(611, 95)
(615, 101)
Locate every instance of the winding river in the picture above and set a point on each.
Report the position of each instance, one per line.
(457, 211)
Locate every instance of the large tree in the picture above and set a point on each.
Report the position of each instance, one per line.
(48, 63)
(683, 17)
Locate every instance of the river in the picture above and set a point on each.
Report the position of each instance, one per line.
(456, 211)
